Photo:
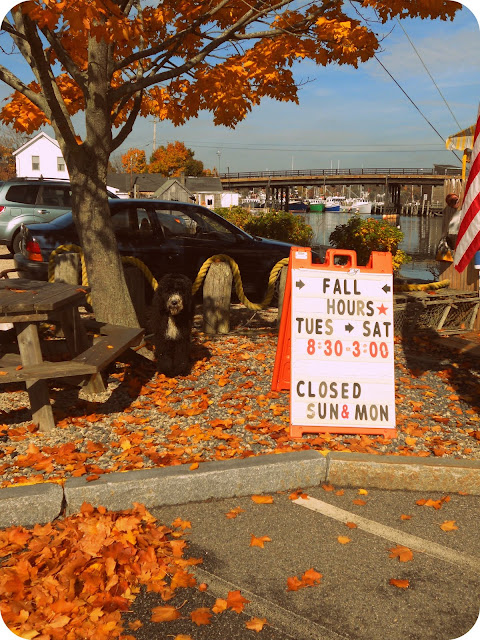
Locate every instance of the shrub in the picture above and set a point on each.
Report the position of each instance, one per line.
(277, 225)
(365, 235)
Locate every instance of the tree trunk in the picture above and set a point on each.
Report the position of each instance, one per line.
(87, 166)
(111, 301)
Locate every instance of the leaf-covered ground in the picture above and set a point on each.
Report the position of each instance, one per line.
(225, 409)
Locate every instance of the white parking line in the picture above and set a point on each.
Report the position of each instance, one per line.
(389, 533)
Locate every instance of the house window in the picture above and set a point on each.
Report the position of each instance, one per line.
(60, 164)
(35, 163)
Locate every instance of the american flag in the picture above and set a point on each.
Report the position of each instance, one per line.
(468, 239)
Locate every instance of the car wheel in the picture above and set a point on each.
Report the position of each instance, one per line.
(14, 247)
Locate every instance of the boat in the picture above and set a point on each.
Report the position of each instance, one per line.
(334, 203)
(316, 205)
(297, 205)
(360, 206)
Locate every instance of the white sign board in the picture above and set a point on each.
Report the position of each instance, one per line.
(342, 350)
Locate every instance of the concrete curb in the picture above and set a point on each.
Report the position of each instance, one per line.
(163, 486)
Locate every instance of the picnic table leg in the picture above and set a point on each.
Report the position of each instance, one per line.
(31, 353)
(77, 341)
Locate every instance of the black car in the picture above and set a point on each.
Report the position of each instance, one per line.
(168, 237)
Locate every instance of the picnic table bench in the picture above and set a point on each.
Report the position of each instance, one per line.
(27, 303)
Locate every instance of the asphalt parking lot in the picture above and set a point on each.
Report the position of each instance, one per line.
(435, 591)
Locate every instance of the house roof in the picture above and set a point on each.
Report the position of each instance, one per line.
(42, 134)
(169, 183)
(153, 181)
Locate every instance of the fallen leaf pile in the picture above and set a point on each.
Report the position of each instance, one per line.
(226, 409)
(74, 578)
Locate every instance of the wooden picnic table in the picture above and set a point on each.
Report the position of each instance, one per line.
(26, 304)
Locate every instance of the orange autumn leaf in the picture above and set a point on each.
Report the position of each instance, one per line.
(259, 542)
(220, 605)
(256, 624)
(343, 539)
(405, 517)
(136, 624)
(236, 601)
(351, 525)
(294, 584)
(193, 466)
(401, 584)
(182, 636)
(309, 579)
(203, 586)
(297, 494)
(359, 502)
(233, 513)
(328, 487)
(201, 616)
(448, 525)
(164, 614)
(404, 554)
(262, 499)
(182, 524)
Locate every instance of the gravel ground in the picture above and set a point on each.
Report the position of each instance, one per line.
(225, 409)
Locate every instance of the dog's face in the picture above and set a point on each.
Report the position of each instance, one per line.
(174, 303)
(175, 292)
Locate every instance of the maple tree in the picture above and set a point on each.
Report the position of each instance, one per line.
(174, 159)
(134, 161)
(116, 60)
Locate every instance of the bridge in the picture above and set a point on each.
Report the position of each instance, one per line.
(277, 184)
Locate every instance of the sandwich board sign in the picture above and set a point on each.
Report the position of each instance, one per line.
(335, 349)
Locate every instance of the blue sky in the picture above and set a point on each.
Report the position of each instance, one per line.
(350, 117)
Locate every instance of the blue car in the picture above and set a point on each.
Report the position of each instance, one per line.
(168, 237)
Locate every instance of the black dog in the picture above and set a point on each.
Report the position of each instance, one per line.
(171, 320)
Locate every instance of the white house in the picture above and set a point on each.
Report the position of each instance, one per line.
(40, 157)
(230, 199)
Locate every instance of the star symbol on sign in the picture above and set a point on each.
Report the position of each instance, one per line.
(382, 309)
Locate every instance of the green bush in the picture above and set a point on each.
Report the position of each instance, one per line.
(277, 225)
(365, 235)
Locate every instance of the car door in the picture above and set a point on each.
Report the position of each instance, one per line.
(191, 237)
(138, 235)
(52, 201)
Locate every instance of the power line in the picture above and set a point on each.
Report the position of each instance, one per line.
(431, 77)
(410, 99)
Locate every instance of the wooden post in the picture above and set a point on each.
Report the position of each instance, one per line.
(67, 268)
(217, 292)
(31, 353)
(136, 287)
(281, 292)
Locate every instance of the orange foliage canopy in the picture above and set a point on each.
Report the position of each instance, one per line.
(174, 58)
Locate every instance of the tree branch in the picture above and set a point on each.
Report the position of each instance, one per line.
(126, 130)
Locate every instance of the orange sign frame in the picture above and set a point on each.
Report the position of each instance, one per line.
(301, 258)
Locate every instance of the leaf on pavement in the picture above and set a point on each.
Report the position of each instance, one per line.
(343, 539)
(233, 513)
(448, 525)
(259, 542)
(164, 614)
(351, 525)
(405, 517)
(201, 616)
(359, 502)
(404, 554)
(256, 624)
(262, 499)
(220, 605)
(236, 601)
(401, 584)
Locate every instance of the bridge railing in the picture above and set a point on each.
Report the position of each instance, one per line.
(341, 172)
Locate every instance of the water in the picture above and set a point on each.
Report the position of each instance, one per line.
(421, 236)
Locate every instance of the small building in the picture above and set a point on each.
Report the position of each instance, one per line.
(175, 190)
(40, 157)
(204, 190)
